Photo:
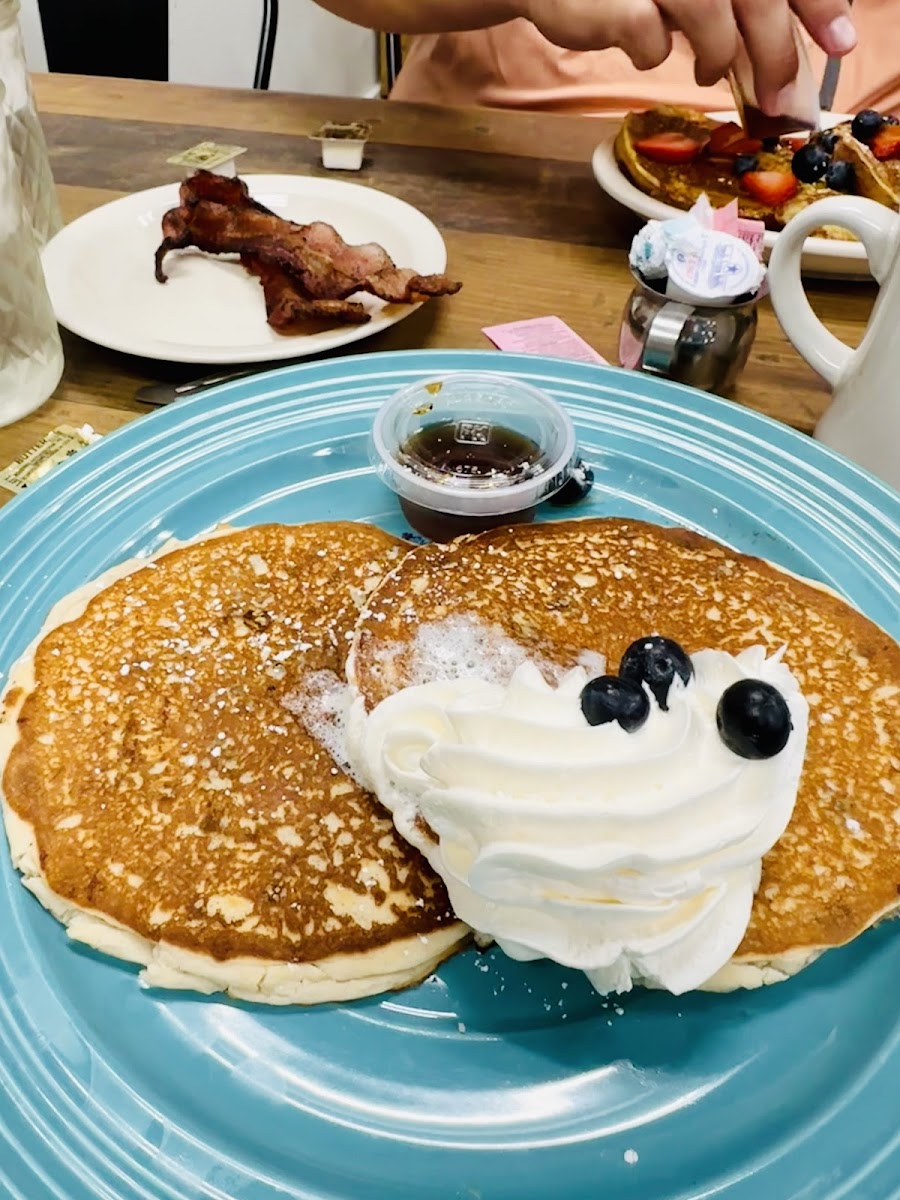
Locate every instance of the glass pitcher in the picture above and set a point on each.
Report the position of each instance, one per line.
(31, 355)
(24, 130)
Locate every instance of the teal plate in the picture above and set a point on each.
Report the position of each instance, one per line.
(493, 1080)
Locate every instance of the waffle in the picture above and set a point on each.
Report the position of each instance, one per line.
(878, 181)
(559, 589)
(681, 185)
(163, 805)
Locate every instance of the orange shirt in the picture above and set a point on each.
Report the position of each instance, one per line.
(513, 66)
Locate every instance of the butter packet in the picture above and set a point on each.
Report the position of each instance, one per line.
(342, 145)
(53, 448)
(209, 156)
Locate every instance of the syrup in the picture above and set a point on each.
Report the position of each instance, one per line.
(473, 449)
(771, 129)
(476, 450)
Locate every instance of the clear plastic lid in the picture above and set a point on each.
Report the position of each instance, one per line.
(473, 444)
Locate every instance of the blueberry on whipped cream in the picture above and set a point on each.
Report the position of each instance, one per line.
(753, 719)
(609, 698)
(656, 661)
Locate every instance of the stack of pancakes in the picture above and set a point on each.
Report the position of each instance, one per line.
(162, 802)
(562, 588)
(163, 805)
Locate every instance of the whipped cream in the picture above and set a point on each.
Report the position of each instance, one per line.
(631, 856)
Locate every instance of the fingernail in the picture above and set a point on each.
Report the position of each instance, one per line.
(839, 36)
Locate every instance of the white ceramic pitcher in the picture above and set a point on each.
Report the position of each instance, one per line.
(863, 419)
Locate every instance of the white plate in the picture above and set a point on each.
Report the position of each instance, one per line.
(100, 274)
(820, 255)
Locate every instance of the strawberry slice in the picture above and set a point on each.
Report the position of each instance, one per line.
(744, 146)
(730, 141)
(669, 147)
(886, 142)
(722, 137)
(770, 187)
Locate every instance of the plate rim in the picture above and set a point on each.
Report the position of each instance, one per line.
(55, 258)
(744, 418)
(198, 411)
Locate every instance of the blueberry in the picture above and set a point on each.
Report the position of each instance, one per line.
(840, 177)
(890, 119)
(576, 487)
(771, 143)
(866, 124)
(744, 163)
(656, 661)
(810, 162)
(753, 718)
(609, 698)
(827, 139)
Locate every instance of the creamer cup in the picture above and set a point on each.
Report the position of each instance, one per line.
(648, 251)
(711, 267)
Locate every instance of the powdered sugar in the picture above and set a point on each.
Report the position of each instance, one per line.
(463, 647)
(459, 647)
(321, 707)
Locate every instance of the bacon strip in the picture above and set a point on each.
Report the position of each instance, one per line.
(285, 307)
(306, 270)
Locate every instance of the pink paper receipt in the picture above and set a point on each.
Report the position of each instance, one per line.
(543, 335)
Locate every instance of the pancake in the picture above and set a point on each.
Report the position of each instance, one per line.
(557, 590)
(162, 805)
(681, 184)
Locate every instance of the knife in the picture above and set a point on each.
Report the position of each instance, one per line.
(830, 82)
(165, 393)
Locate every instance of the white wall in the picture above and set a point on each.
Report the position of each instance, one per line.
(314, 51)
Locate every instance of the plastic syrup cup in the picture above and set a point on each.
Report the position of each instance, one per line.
(468, 452)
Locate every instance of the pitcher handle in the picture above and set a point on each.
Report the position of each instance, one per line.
(874, 225)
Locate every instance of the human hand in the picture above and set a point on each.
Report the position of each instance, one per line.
(643, 29)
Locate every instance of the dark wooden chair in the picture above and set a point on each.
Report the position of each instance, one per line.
(391, 60)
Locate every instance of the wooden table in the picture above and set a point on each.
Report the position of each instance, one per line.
(527, 228)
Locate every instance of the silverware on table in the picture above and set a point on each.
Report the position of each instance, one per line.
(164, 393)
